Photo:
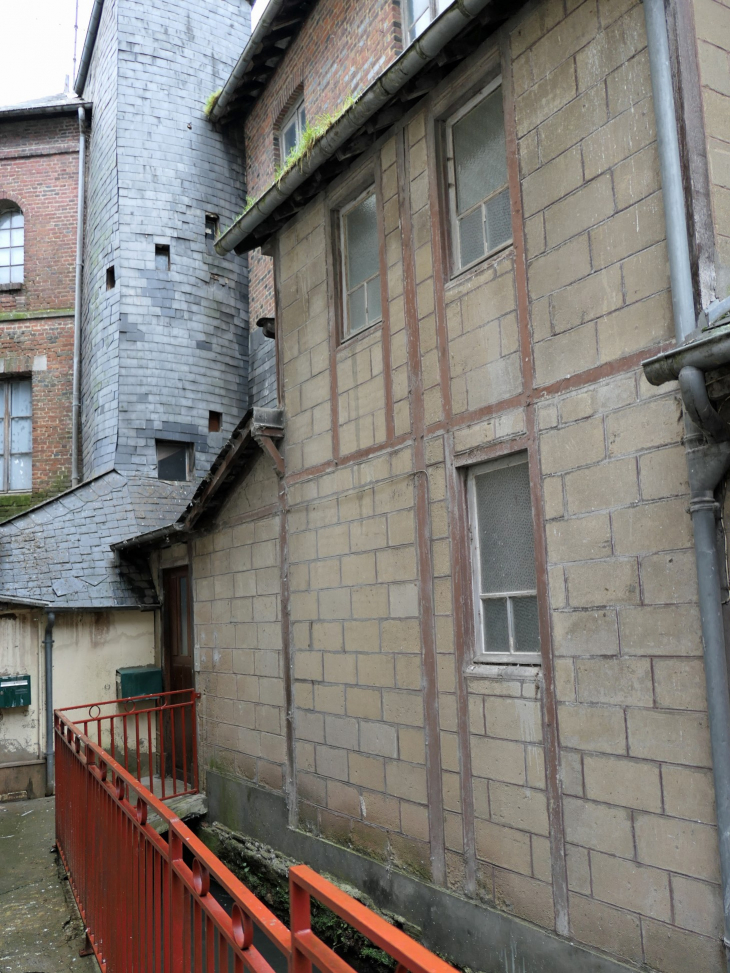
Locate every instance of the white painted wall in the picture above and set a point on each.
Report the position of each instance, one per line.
(88, 649)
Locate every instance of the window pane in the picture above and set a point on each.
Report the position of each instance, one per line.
(302, 120)
(20, 402)
(527, 631)
(4, 275)
(16, 256)
(471, 237)
(361, 231)
(20, 436)
(496, 632)
(506, 546)
(416, 8)
(16, 275)
(480, 156)
(374, 309)
(172, 461)
(17, 219)
(356, 310)
(5, 221)
(4, 238)
(289, 139)
(20, 473)
(16, 237)
(498, 220)
(4, 257)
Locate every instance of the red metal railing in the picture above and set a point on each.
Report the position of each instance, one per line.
(145, 899)
(153, 737)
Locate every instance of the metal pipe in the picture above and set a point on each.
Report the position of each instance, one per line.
(76, 400)
(443, 29)
(48, 647)
(91, 33)
(707, 461)
(669, 159)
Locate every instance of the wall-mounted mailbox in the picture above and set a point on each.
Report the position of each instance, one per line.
(14, 691)
(139, 681)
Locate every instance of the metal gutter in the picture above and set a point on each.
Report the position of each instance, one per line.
(257, 35)
(48, 652)
(23, 602)
(76, 395)
(15, 114)
(92, 31)
(442, 30)
(707, 435)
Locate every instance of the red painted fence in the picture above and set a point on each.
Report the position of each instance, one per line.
(153, 737)
(145, 899)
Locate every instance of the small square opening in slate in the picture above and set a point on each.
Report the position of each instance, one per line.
(111, 278)
(173, 460)
(214, 421)
(162, 256)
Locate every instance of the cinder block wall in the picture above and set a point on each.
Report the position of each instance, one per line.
(165, 346)
(39, 172)
(577, 794)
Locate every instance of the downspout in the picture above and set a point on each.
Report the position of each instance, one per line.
(707, 438)
(76, 400)
(48, 647)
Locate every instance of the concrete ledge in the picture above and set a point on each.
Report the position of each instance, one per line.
(29, 777)
(471, 935)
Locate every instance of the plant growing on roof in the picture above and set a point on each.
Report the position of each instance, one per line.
(211, 101)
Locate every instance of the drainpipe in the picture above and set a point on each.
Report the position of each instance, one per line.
(76, 401)
(48, 646)
(707, 438)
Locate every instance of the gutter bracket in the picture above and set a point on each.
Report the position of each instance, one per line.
(266, 426)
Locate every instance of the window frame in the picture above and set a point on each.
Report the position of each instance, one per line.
(189, 458)
(6, 418)
(481, 656)
(433, 8)
(345, 333)
(291, 115)
(453, 220)
(11, 208)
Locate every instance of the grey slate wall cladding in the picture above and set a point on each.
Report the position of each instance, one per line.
(100, 346)
(262, 370)
(179, 336)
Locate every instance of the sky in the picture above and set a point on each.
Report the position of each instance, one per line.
(39, 46)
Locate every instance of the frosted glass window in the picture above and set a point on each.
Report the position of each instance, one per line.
(12, 246)
(361, 260)
(16, 435)
(291, 130)
(420, 13)
(480, 203)
(503, 555)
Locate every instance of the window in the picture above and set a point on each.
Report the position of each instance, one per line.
(174, 460)
(12, 246)
(361, 264)
(111, 278)
(420, 13)
(503, 561)
(215, 421)
(16, 436)
(291, 129)
(481, 214)
(162, 256)
(211, 230)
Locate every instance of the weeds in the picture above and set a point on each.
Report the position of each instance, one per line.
(211, 102)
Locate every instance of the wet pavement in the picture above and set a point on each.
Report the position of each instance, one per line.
(40, 928)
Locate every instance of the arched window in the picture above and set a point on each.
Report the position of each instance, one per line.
(12, 250)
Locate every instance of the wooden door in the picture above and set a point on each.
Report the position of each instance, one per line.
(178, 653)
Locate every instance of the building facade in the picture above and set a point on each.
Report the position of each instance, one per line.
(447, 632)
(39, 170)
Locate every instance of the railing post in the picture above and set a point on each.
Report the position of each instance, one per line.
(300, 920)
(174, 899)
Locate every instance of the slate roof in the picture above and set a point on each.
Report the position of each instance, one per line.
(59, 554)
(50, 105)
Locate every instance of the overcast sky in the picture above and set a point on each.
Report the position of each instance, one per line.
(38, 46)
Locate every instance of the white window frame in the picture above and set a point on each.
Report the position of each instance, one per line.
(436, 7)
(14, 210)
(293, 115)
(480, 655)
(346, 332)
(6, 418)
(458, 268)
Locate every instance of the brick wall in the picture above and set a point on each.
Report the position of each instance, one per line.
(364, 39)
(576, 794)
(39, 172)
